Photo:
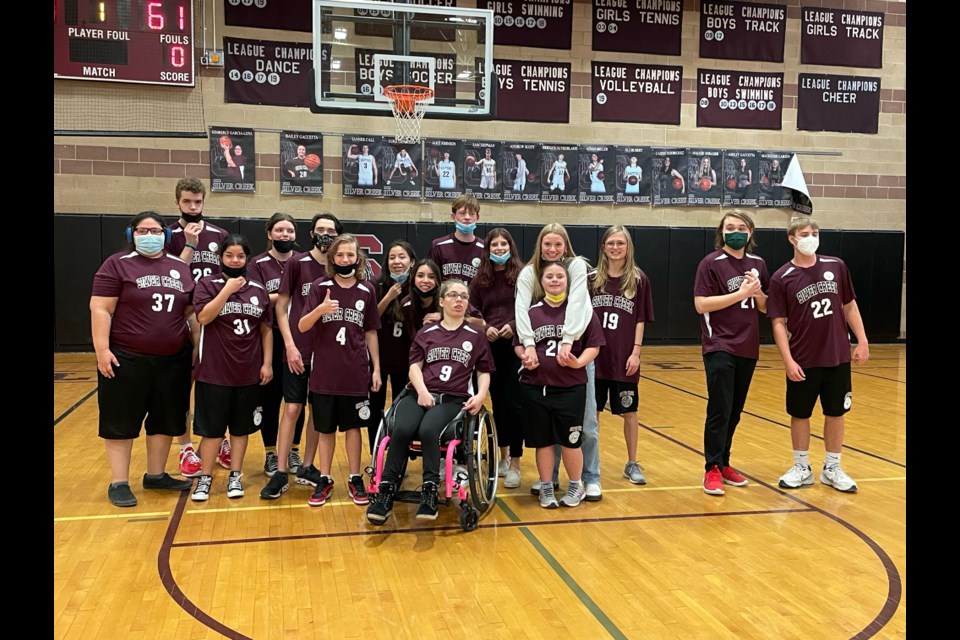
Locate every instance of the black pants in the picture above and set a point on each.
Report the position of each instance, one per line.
(505, 397)
(728, 381)
(272, 396)
(414, 422)
(378, 400)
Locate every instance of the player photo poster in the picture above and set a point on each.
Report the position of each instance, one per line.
(596, 173)
(742, 30)
(482, 171)
(624, 92)
(848, 104)
(633, 175)
(668, 166)
(361, 168)
(739, 99)
(267, 72)
(557, 167)
(841, 38)
(400, 165)
(638, 26)
(442, 175)
(704, 173)
(531, 23)
(521, 181)
(772, 167)
(741, 175)
(533, 91)
(232, 160)
(301, 163)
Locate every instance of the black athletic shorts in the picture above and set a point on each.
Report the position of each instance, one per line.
(217, 407)
(831, 384)
(624, 396)
(345, 412)
(553, 415)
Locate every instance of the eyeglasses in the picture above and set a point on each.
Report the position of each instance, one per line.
(153, 231)
(453, 295)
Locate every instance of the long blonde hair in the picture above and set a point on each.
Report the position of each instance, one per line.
(536, 260)
(630, 277)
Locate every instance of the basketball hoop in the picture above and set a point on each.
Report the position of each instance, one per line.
(409, 103)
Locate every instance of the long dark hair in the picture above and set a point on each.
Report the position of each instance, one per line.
(485, 273)
(394, 311)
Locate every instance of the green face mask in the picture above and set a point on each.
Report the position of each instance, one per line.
(736, 239)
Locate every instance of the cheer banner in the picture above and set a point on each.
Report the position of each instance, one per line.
(533, 91)
(637, 26)
(301, 163)
(742, 30)
(739, 99)
(847, 104)
(531, 23)
(267, 72)
(624, 92)
(841, 38)
(287, 15)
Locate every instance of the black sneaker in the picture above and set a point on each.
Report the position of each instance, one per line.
(121, 495)
(308, 475)
(271, 464)
(357, 491)
(321, 493)
(381, 505)
(276, 486)
(428, 502)
(166, 482)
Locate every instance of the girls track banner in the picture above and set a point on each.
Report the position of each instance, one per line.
(442, 171)
(286, 15)
(267, 72)
(739, 99)
(841, 38)
(625, 92)
(531, 23)
(742, 30)
(848, 104)
(301, 163)
(668, 168)
(557, 167)
(533, 91)
(232, 160)
(637, 26)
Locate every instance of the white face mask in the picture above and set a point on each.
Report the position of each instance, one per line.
(808, 245)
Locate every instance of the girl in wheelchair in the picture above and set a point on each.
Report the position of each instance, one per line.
(443, 358)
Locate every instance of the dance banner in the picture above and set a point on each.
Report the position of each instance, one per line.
(703, 177)
(739, 99)
(638, 26)
(625, 92)
(362, 176)
(842, 38)
(848, 104)
(442, 177)
(232, 160)
(633, 175)
(267, 72)
(597, 165)
(531, 23)
(482, 173)
(742, 30)
(741, 172)
(288, 15)
(557, 168)
(531, 91)
(772, 167)
(521, 181)
(668, 168)
(301, 163)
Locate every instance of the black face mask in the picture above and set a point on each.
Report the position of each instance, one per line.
(345, 270)
(424, 294)
(233, 272)
(283, 246)
(322, 242)
(189, 217)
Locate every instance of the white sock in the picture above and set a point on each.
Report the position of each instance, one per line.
(801, 457)
(833, 460)
(184, 446)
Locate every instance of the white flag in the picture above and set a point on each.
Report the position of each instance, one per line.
(793, 180)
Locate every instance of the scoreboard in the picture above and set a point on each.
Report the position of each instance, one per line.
(145, 41)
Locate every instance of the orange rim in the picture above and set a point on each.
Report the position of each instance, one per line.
(406, 96)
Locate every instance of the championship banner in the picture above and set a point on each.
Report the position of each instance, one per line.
(557, 168)
(625, 92)
(286, 15)
(638, 26)
(668, 168)
(533, 91)
(416, 33)
(267, 72)
(595, 173)
(841, 38)
(521, 180)
(400, 165)
(232, 160)
(633, 175)
(442, 177)
(741, 175)
(361, 171)
(301, 163)
(739, 99)
(482, 173)
(704, 187)
(742, 30)
(848, 104)
(531, 23)
(772, 167)
(794, 180)
(444, 82)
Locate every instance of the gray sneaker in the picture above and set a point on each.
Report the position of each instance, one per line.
(547, 499)
(234, 486)
(271, 464)
(293, 461)
(575, 495)
(634, 473)
(535, 488)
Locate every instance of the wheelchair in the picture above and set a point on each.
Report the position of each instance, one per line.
(472, 450)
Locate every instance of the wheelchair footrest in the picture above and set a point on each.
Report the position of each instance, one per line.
(413, 497)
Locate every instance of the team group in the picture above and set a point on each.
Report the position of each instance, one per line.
(552, 341)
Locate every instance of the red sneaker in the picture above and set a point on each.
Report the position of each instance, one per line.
(732, 476)
(713, 482)
(321, 493)
(189, 462)
(224, 456)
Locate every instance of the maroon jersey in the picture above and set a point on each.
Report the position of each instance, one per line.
(547, 325)
(413, 313)
(496, 303)
(301, 271)
(393, 339)
(230, 352)
(340, 364)
(152, 297)
(449, 357)
(268, 271)
(456, 259)
(619, 317)
(206, 257)
(812, 299)
(734, 329)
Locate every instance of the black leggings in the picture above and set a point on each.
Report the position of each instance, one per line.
(413, 422)
(728, 381)
(505, 397)
(378, 400)
(272, 396)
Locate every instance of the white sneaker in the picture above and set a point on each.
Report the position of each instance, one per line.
(837, 478)
(797, 476)
(512, 480)
(593, 493)
(547, 498)
(574, 496)
(502, 468)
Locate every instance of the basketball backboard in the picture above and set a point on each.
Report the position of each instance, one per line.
(360, 47)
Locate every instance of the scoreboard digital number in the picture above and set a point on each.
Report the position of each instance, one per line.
(145, 41)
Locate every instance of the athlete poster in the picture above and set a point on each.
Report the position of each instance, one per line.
(557, 167)
(521, 180)
(704, 173)
(633, 175)
(848, 104)
(289, 15)
(361, 166)
(529, 91)
(625, 92)
(739, 99)
(531, 23)
(442, 169)
(668, 168)
(301, 163)
(742, 30)
(232, 160)
(772, 167)
(482, 169)
(596, 173)
(638, 26)
(841, 38)
(400, 165)
(740, 177)
(267, 72)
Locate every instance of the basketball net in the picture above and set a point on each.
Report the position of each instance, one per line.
(409, 103)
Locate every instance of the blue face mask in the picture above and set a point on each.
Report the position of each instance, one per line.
(495, 259)
(148, 245)
(466, 228)
(400, 277)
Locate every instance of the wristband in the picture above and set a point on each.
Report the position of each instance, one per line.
(192, 246)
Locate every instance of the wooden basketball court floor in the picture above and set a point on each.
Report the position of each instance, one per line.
(663, 560)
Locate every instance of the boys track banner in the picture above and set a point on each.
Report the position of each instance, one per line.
(742, 30)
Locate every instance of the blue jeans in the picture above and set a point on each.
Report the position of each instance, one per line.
(590, 444)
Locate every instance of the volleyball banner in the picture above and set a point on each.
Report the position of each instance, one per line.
(624, 92)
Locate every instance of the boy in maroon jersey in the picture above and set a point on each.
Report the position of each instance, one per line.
(812, 304)
(459, 254)
(729, 294)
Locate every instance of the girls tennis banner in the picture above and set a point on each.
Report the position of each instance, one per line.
(637, 26)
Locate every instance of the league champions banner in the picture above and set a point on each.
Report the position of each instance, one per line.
(232, 160)
(557, 167)
(772, 167)
(442, 175)
(742, 30)
(482, 169)
(741, 175)
(638, 26)
(595, 173)
(633, 184)
(444, 82)
(521, 180)
(531, 23)
(285, 15)
(668, 166)
(841, 38)
(847, 104)
(704, 174)
(267, 72)
(301, 163)
(361, 166)
(533, 91)
(625, 92)
(400, 169)
(739, 99)
(416, 33)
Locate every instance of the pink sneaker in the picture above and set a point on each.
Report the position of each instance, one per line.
(189, 462)
(224, 456)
